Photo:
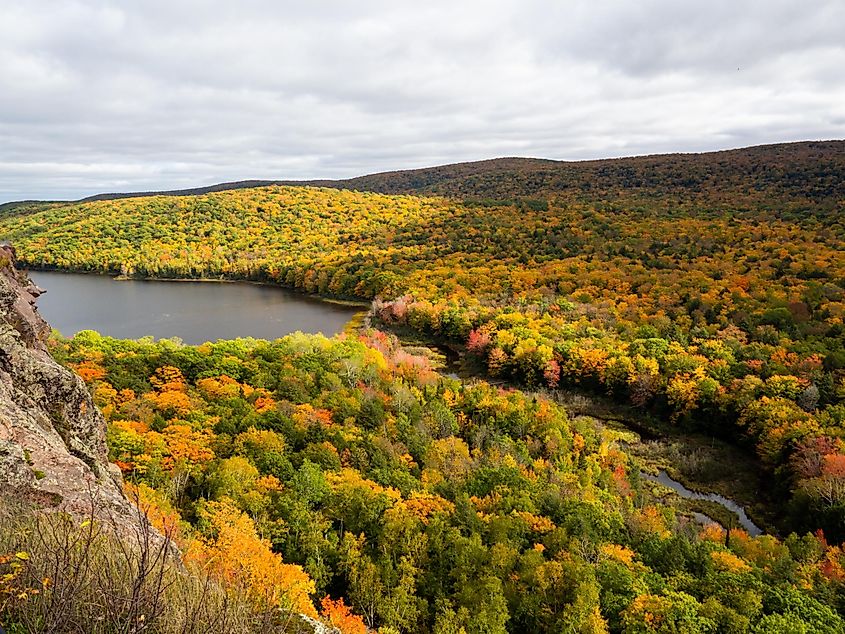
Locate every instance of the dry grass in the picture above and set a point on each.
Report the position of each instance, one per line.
(60, 574)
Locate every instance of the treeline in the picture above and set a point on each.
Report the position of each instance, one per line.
(786, 403)
(347, 480)
(790, 178)
(727, 318)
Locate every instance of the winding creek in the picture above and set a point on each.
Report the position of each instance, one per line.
(197, 312)
(663, 478)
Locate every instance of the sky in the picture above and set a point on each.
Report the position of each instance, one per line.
(139, 95)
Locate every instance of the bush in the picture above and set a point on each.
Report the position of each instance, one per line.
(62, 574)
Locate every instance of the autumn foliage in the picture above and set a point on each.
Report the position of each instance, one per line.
(237, 555)
(344, 480)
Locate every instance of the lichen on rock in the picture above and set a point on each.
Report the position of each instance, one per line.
(52, 437)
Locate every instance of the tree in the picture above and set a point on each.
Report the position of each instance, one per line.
(233, 552)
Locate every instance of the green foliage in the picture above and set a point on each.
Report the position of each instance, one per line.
(673, 292)
(429, 504)
(708, 291)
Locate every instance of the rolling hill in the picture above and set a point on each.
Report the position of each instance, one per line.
(807, 176)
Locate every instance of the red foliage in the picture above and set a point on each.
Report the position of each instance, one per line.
(478, 342)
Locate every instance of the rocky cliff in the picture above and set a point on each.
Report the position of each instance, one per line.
(52, 437)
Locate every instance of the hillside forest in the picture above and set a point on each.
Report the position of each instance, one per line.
(349, 469)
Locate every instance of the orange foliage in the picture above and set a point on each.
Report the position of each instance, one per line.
(264, 403)
(618, 553)
(156, 507)
(831, 565)
(536, 523)
(834, 465)
(649, 519)
(90, 371)
(236, 554)
(338, 615)
(306, 415)
(168, 378)
(185, 445)
(171, 401)
(423, 505)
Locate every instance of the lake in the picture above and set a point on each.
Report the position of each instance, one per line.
(195, 312)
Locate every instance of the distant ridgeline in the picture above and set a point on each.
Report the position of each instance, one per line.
(811, 172)
(708, 289)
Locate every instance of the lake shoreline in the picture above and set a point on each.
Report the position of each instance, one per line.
(656, 444)
(118, 277)
(193, 313)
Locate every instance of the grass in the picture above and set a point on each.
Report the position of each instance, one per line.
(699, 462)
(61, 574)
(702, 463)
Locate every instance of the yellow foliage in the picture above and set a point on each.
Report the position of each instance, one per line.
(728, 562)
(352, 479)
(618, 553)
(713, 533)
(156, 507)
(222, 386)
(171, 401)
(236, 555)
(536, 523)
(649, 519)
(423, 505)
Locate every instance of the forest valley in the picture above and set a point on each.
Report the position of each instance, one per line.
(346, 479)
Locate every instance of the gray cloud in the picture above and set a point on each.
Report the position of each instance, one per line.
(98, 95)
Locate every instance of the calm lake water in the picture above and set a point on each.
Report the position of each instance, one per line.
(195, 312)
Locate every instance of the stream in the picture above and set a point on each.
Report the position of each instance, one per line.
(663, 478)
(454, 369)
(198, 312)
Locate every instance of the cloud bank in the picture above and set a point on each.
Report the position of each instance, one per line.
(123, 96)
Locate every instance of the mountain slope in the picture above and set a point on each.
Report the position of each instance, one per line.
(809, 170)
(716, 300)
(805, 173)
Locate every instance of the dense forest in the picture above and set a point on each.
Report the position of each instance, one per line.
(705, 290)
(346, 472)
(768, 175)
(728, 320)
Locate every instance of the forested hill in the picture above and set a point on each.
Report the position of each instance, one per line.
(707, 292)
(810, 171)
(808, 175)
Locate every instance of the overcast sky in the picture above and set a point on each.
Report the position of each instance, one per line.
(154, 94)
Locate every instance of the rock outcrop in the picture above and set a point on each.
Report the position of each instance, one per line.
(52, 437)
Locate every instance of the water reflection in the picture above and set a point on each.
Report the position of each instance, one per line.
(663, 478)
(193, 311)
